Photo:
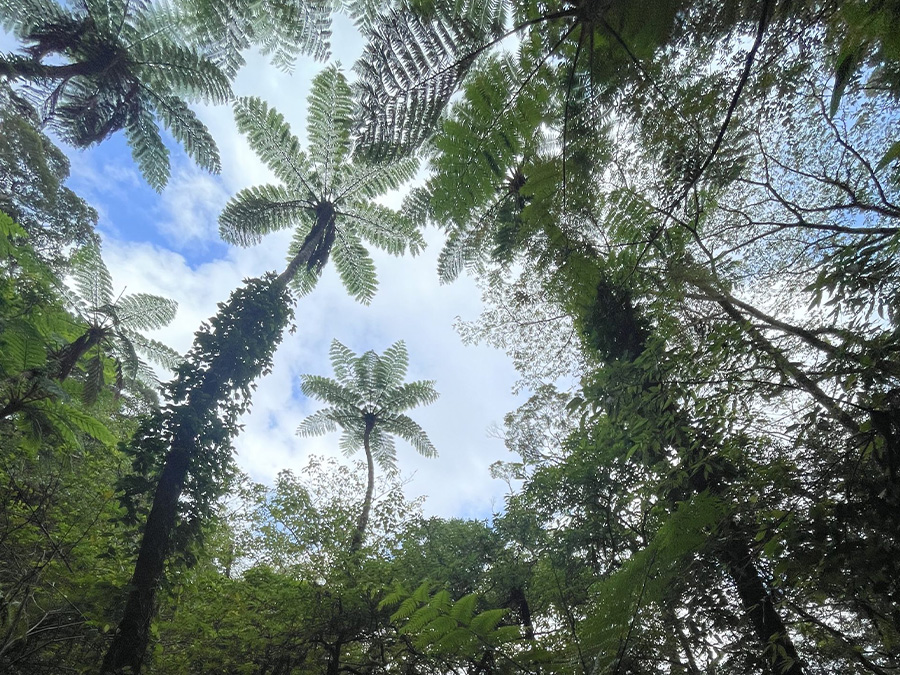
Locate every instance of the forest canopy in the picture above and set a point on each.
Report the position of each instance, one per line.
(683, 222)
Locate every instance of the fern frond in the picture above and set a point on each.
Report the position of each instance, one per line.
(328, 123)
(412, 433)
(188, 130)
(22, 347)
(390, 368)
(485, 623)
(342, 358)
(410, 68)
(91, 276)
(411, 395)
(147, 147)
(155, 350)
(21, 17)
(270, 137)
(367, 180)
(286, 30)
(143, 311)
(464, 609)
(223, 29)
(94, 380)
(67, 421)
(355, 267)
(317, 424)
(168, 68)
(326, 389)
(383, 227)
(384, 452)
(257, 211)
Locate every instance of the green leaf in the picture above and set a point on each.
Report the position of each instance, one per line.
(891, 155)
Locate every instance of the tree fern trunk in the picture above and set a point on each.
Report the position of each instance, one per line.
(760, 608)
(130, 642)
(67, 357)
(363, 520)
(211, 390)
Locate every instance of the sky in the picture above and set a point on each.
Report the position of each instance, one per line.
(168, 244)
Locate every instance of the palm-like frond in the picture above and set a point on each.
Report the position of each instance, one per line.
(383, 227)
(369, 393)
(367, 180)
(143, 311)
(328, 124)
(113, 328)
(411, 432)
(126, 66)
(154, 349)
(411, 67)
(91, 277)
(270, 137)
(188, 130)
(22, 17)
(326, 389)
(255, 212)
(390, 368)
(354, 265)
(318, 424)
(283, 30)
(147, 147)
(325, 196)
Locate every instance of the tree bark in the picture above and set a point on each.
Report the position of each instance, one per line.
(68, 356)
(363, 520)
(130, 642)
(132, 636)
(757, 602)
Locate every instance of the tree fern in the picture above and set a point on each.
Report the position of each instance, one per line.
(126, 66)
(285, 30)
(366, 400)
(323, 196)
(410, 68)
(113, 327)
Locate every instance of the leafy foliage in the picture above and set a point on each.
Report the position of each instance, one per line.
(113, 328)
(125, 70)
(325, 197)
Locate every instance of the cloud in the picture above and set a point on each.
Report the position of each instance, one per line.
(191, 206)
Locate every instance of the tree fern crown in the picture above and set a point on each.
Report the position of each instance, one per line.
(114, 327)
(325, 195)
(369, 394)
(123, 69)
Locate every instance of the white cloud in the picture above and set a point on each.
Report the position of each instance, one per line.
(191, 206)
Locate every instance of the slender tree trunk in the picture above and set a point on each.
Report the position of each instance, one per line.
(757, 602)
(130, 643)
(363, 520)
(334, 659)
(131, 638)
(69, 356)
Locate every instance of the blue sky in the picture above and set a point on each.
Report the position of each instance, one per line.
(168, 244)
